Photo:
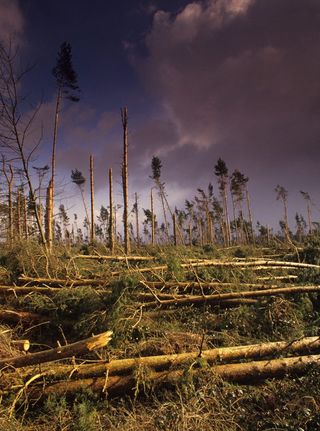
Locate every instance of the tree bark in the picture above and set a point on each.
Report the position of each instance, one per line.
(249, 372)
(125, 182)
(49, 216)
(217, 298)
(92, 225)
(111, 218)
(153, 235)
(80, 347)
(137, 219)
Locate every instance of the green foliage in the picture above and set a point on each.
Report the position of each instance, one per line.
(65, 75)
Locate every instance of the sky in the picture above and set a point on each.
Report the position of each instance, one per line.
(236, 79)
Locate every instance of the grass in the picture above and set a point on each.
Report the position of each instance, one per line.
(202, 402)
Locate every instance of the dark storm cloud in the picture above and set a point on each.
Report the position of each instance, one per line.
(241, 80)
(11, 21)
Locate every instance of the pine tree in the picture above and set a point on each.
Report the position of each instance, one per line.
(68, 89)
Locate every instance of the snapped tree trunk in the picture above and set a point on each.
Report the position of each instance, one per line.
(137, 219)
(153, 233)
(80, 347)
(249, 372)
(125, 183)
(92, 225)
(9, 178)
(49, 216)
(111, 218)
(54, 145)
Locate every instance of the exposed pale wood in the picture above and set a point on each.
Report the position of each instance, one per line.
(16, 290)
(24, 317)
(23, 345)
(92, 225)
(111, 217)
(216, 298)
(116, 258)
(125, 182)
(63, 282)
(165, 362)
(49, 216)
(239, 372)
(80, 347)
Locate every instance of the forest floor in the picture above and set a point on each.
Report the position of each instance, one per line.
(178, 300)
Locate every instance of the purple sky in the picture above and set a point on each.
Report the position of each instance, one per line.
(237, 79)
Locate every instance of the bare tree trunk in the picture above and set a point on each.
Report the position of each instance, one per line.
(174, 222)
(54, 145)
(226, 216)
(152, 221)
(49, 216)
(125, 183)
(250, 216)
(162, 194)
(190, 234)
(19, 215)
(234, 219)
(25, 217)
(309, 218)
(9, 179)
(92, 226)
(137, 219)
(111, 218)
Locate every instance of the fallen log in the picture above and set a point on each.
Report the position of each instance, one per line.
(216, 298)
(23, 317)
(16, 290)
(185, 287)
(165, 362)
(249, 372)
(149, 297)
(60, 282)
(22, 345)
(262, 264)
(62, 352)
(278, 277)
(114, 258)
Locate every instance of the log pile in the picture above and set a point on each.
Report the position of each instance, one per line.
(243, 364)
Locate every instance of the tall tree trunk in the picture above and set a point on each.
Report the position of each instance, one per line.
(9, 178)
(309, 218)
(234, 219)
(250, 216)
(286, 220)
(49, 216)
(19, 215)
(162, 197)
(25, 217)
(92, 226)
(111, 218)
(54, 145)
(125, 183)
(174, 222)
(226, 215)
(153, 236)
(137, 219)
(190, 234)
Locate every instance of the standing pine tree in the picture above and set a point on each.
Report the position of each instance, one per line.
(221, 171)
(282, 194)
(67, 88)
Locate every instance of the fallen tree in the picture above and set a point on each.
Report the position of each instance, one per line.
(166, 362)
(249, 372)
(22, 317)
(62, 352)
(114, 258)
(61, 282)
(217, 298)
